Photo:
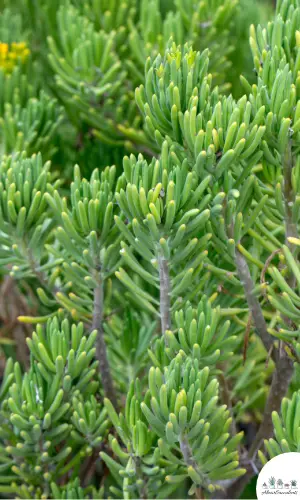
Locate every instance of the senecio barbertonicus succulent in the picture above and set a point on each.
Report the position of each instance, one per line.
(150, 295)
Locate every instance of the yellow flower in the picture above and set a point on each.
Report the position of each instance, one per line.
(10, 55)
(18, 47)
(3, 49)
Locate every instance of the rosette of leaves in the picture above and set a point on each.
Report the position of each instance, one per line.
(40, 441)
(25, 220)
(88, 244)
(200, 333)
(137, 467)
(167, 213)
(216, 134)
(275, 51)
(31, 128)
(181, 407)
(172, 81)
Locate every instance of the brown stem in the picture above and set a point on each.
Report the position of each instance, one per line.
(165, 305)
(253, 303)
(101, 354)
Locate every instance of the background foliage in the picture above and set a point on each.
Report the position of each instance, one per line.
(150, 294)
